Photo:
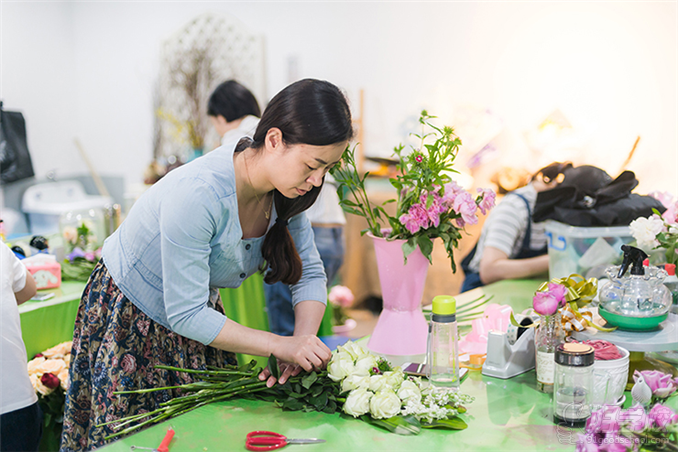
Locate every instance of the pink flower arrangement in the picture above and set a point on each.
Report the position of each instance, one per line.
(549, 301)
(429, 204)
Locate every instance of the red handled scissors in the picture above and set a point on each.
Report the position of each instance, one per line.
(262, 440)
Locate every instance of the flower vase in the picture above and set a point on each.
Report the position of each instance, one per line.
(401, 328)
(547, 337)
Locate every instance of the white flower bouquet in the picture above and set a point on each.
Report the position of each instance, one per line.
(356, 382)
(385, 396)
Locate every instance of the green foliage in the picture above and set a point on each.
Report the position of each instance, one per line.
(79, 269)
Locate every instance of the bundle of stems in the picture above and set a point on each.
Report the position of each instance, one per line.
(216, 385)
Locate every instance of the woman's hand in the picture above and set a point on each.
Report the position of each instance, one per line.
(295, 353)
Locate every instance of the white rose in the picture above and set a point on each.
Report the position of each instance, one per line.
(384, 404)
(340, 366)
(358, 402)
(645, 231)
(53, 366)
(353, 349)
(409, 391)
(34, 365)
(379, 382)
(355, 381)
(394, 378)
(365, 364)
(63, 378)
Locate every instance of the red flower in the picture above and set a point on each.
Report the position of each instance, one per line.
(38, 355)
(50, 380)
(419, 158)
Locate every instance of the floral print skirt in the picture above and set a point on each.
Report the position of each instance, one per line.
(116, 348)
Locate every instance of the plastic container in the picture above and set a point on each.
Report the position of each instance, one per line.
(671, 283)
(45, 203)
(584, 251)
(442, 356)
(573, 384)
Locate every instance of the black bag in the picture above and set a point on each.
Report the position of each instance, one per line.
(15, 160)
(589, 197)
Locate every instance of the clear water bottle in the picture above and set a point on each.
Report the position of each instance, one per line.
(442, 356)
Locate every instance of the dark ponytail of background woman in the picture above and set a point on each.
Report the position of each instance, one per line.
(313, 112)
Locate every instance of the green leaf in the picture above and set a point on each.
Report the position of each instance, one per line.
(273, 366)
(309, 379)
(426, 246)
(455, 423)
(408, 248)
(401, 425)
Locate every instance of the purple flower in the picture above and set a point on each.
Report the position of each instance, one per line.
(488, 200)
(558, 291)
(661, 384)
(544, 303)
(466, 207)
(605, 420)
(77, 252)
(662, 415)
(90, 256)
(586, 443)
(635, 419)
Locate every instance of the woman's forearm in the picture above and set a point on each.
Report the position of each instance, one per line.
(496, 266)
(237, 338)
(307, 317)
(304, 348)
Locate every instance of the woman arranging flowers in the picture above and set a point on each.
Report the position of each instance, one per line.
(152, 300)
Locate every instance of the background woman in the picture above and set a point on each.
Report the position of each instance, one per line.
(511, 244)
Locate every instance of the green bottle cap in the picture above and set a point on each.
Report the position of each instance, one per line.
(444, 305)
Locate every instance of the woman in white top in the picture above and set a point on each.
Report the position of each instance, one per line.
(234, 111)
(21, 420)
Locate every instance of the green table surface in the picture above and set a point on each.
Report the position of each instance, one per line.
(45, 324)
(506, 415)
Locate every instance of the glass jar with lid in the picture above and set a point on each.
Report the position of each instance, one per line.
(573, 383)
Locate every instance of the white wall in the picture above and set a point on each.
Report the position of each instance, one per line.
(87, 69)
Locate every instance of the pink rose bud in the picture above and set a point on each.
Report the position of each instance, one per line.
(544, 303)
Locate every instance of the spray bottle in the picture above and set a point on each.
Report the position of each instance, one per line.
(637, 295)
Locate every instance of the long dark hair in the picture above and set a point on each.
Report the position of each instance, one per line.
(309, 111)
(232, 101)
